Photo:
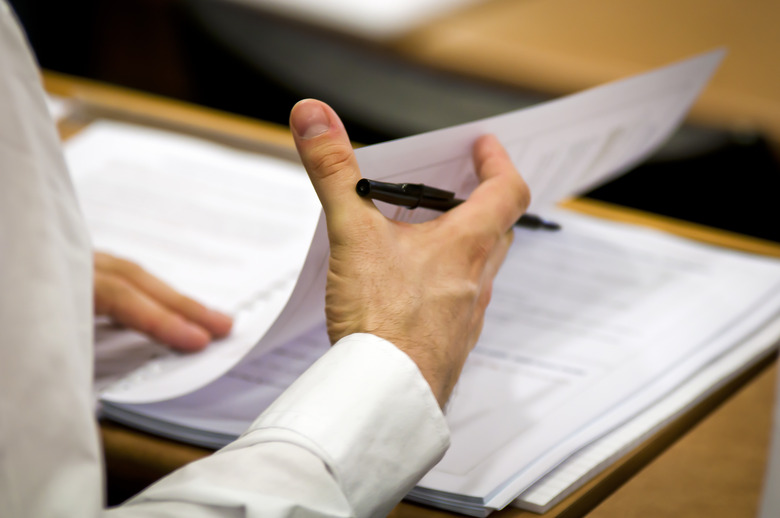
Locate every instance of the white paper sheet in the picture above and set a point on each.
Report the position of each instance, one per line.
(562, 147)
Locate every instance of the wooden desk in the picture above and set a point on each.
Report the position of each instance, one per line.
(561, 46)
(714, 470)
(717, 466)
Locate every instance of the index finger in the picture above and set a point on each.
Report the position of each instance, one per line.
(502, 195)
(215, 322)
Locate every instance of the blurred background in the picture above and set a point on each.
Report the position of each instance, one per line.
(396, 68)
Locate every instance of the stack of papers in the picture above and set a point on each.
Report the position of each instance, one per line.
(595, 335)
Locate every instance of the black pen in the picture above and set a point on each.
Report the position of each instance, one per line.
(413, 195)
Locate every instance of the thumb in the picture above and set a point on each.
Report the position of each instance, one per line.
(327, 155)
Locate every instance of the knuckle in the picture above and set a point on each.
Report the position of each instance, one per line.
(157, 324)
(130, 269)
(483, 300)
(515, 199)
(112, 295)
(331, 159)
(122, 267)
(473, 290)
(482, 245)
(507, 239)
(101, 260)
(522, 192)
(188, 306)
(115, 288)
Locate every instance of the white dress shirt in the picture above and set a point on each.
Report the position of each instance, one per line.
(349, 438)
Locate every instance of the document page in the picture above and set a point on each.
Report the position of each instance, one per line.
(563, 147)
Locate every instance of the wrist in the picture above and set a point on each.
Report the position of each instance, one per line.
(438, 373)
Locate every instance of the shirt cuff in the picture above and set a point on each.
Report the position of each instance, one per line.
(366, 410)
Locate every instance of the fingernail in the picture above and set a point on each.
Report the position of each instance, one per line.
(309, 120)
(186, 337)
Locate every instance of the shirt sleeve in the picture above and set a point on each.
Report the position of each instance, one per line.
(349, 438)
(49, 449)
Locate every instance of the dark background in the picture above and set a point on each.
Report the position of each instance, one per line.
(237, 59)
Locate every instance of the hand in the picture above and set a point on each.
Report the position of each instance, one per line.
(423, 287)
(138, 300)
